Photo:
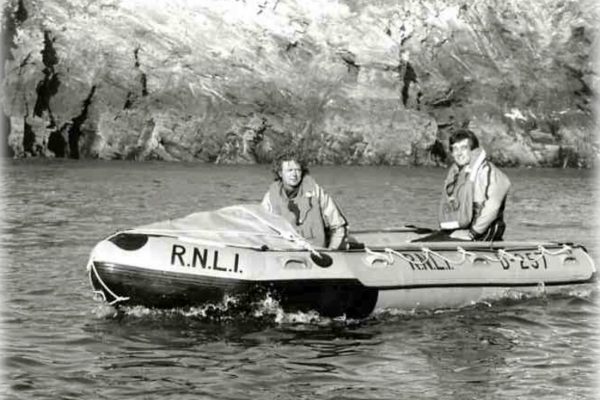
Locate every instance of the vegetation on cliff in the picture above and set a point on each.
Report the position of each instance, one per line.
(352, 81)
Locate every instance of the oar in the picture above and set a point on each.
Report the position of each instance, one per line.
(321, 259)
(406, 228)
(420, 230)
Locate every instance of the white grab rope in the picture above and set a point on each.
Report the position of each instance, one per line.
(92, 268)
(375, 256)
(565, 249)
(398, 254)
(502, 255)
(461, 260)
(97, 293)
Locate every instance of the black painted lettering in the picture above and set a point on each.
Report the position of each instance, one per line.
(448, 265)
(200, 257)
(420, 259)
(424, 262)
(534, 261)
(427, 262)
(236, 262)
(505, 263)
(430, 264)
(215, 261)
(411, 262)
(178, 251)
(523, 265)
(544, 262)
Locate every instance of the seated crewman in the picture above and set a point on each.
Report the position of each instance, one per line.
(301, 201)
(474, 193)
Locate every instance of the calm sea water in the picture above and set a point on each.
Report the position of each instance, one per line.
(59, 343)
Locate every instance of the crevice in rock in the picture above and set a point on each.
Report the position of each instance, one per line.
(350, 61)
(144, 83)
(28, 138)
(135, 56)
(5, 150)
(437, 153)
(49, 57)
(75, 129)
(128, 101)
(410, 76)
(57, 143)
(291, 45)
(21, 14)
(578, 33)
(143, 78)
(48, 87)
(256, 140)
(24, 62)
(584, 93)
(580, 77)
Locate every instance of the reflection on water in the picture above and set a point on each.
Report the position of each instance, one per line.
(60, 343)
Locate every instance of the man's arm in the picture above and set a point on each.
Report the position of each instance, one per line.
(337, 237)
(333, 219)
(490, 191)
(266, 202)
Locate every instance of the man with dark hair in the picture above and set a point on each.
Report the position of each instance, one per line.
(474, 193)
(301, 201)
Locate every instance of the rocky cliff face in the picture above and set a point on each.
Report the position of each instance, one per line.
(351, 81)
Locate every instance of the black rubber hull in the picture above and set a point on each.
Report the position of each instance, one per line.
(159, 289)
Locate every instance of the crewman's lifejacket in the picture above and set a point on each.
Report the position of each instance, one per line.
(303, 211)
(458, 207)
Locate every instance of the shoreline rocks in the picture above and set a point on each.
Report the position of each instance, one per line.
(347, 83)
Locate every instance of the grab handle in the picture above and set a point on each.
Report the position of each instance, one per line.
(296, 263)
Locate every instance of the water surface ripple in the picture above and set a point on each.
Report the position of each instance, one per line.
(61, 344)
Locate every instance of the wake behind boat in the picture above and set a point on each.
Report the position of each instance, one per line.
(240, 250)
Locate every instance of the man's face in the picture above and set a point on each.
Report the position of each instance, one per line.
(461, 152)
(291, 173)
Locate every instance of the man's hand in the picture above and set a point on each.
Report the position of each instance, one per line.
(461, 234)
(337, 239)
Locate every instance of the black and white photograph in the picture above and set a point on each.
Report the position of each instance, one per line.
(299, 199)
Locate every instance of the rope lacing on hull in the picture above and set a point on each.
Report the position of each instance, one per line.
(502, 255)
(92, 269)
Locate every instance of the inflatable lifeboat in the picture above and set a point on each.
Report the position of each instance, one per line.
(242, 251)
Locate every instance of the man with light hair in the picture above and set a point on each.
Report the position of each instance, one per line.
(302, 202)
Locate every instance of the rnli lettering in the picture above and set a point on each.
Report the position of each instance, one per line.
(178, 251)
(421, 262)
(181, 257)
